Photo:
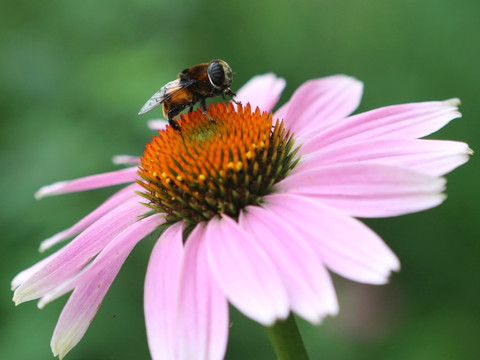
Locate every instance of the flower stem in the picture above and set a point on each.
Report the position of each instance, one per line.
(286, 340)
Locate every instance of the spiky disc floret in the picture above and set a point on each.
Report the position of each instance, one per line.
(215, 167)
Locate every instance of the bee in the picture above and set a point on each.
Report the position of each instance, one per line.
(193, 85)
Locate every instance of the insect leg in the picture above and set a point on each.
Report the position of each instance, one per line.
(174, 124)
(203, 107)
(172, 112)
(232, 95)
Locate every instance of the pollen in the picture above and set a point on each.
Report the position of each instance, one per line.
(215, 166)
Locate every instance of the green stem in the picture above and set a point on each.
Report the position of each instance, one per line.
(286, 340)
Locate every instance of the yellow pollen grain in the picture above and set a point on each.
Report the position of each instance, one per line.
(254, 146)
(167, 180)
(164, 175)
(179, 178)
(154, 174)
(239, 165)
(201, 177)
(230, 165)
(262, 144)
(248, 155)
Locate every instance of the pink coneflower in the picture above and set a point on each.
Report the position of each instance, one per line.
(252, 209)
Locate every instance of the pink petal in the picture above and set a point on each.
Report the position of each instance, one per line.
(89, 182)
(367, 190)
(125, 160)
(309, 287)
(433, 157)
(344, 244)
(24, 275)
(261, 91)
(157, 124)
(202, 313)
(320, 103)
(70, 259)
(113, 255)
(92, 284)
(79, 311)
(245, 272)
(407, 121)
(111, 203)
(161, 293)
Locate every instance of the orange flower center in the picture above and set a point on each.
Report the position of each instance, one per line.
(215, 167)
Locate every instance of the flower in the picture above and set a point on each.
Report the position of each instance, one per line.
(252, 209)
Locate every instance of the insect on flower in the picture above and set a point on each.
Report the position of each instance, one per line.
(193, 85)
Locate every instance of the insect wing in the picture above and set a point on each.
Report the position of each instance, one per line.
(165, 93)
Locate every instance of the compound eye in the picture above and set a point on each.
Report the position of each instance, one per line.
(216, 75)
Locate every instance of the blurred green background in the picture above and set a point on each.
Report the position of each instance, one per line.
(73, 75)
